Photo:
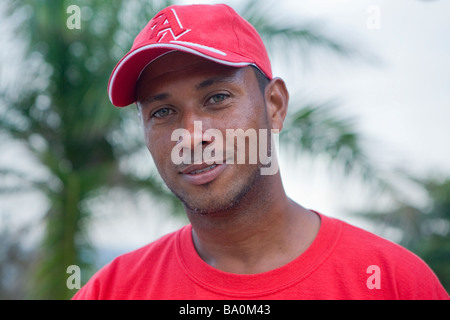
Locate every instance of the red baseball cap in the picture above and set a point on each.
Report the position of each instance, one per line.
(214, 32)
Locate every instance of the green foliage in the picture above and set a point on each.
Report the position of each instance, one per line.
(73, 118)
(318, 130)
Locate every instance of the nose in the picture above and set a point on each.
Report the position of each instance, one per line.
(193, 138)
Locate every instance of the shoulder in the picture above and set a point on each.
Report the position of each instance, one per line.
(157, 248)
(402, 271)
(362, 240)
(371, 246)
(128, 269)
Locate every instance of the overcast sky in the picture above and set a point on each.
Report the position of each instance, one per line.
(405, 103)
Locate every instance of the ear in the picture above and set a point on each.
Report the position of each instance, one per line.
(277, 100)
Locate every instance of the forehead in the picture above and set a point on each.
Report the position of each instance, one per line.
(182, 66)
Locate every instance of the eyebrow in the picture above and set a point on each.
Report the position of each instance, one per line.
(210, 82)
(204, 84)
(158, 97)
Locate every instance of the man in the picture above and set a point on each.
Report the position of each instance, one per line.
(199, 74)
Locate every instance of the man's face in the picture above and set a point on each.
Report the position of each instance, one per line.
(179, 89)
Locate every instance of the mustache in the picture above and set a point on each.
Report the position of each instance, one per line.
(241, 147)
(200, 160)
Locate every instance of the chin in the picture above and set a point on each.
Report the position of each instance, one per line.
(218, 199)
(216, 202)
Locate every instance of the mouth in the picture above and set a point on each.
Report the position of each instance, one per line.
(203, 170)
(203, 173)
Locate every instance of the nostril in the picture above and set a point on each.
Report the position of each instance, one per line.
(207, 138)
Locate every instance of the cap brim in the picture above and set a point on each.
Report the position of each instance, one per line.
(121, 87)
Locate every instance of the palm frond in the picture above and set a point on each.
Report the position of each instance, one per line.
(317, 129)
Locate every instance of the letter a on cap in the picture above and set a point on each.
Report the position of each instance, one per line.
(167, 23)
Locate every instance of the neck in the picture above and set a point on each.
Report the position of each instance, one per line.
(265, 231)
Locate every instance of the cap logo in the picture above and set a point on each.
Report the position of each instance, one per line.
(167, 25)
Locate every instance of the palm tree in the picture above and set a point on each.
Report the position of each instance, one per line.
(65, 119)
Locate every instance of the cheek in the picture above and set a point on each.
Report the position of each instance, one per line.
(157, 145)
(148, 138)
(248, 115)
(161, 159)
(160, 146)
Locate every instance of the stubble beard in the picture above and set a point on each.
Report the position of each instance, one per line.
(211, 202)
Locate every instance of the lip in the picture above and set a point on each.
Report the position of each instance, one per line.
(203, 177)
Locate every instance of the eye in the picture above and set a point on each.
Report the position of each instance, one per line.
(217, 98)
(163, 112)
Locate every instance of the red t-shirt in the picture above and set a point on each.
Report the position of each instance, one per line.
(343, 262)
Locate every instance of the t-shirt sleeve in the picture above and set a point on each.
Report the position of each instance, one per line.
(417, 281)
(90, 291)
(99, 287)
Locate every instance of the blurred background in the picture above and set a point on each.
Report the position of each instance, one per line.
(366, 139)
